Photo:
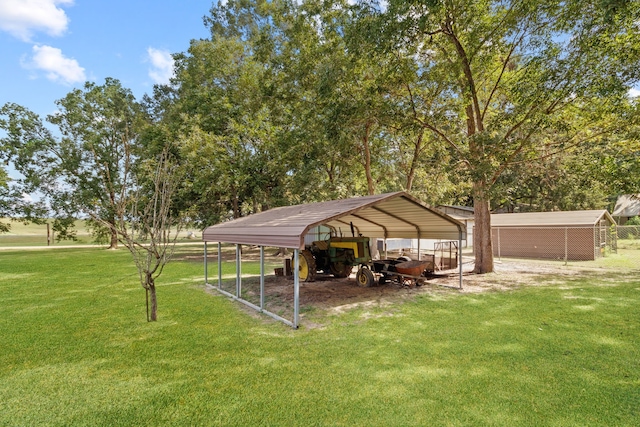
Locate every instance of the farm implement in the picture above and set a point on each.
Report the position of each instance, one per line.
(338, 255)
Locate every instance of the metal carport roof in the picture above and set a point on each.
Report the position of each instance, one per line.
(627, 205)
(391, 215)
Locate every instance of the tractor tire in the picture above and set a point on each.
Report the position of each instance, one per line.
(365, 278)
(307, 268)
(340, 270)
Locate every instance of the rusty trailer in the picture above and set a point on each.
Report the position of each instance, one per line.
(403, 271)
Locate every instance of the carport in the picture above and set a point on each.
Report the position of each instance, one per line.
(392, 215)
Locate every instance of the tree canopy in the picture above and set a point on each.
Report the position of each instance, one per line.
(509, 104)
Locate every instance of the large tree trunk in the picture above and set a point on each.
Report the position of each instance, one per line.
(113, 244)
(482, 247)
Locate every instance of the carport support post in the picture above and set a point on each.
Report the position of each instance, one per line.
(261, 277)
(206, 273)
(566, 245)
(219, 265)
(296, 287)
(460, 256)
(238, 271)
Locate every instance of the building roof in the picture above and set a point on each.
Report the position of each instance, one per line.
(392, 215)
(461, 213)
(627, 205)
(550, 219)
(457, 207)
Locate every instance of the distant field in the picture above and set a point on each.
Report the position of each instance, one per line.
(36, 235)
(20, 229)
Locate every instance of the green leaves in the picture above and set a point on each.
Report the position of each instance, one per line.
(85, 170)
(289, 102)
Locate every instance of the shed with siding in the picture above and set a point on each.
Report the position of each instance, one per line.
(465, 215)
(566, 235)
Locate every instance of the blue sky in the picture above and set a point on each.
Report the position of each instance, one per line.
(49, 47)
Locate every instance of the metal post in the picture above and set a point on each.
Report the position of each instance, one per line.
(566, 245)
(238, 271)
(460, 255)
(261, 277)
(418, 247)
(219, 265)
(296, 287)
(206, 272)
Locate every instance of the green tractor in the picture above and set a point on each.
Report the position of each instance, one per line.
(337, 256)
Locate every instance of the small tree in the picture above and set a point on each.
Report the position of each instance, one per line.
(145, 222)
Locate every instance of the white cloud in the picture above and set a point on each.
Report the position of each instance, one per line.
(162, 65)
(22, 18)
(57, 67)
(634, 92)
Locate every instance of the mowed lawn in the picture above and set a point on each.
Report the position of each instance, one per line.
(76, 350)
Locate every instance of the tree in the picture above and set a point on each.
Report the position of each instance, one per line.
(146, 222)
(227, 135)
(16, 205)
(496, 81)
(617, 158)
(112, 164)
(81, 172)
(6, 200)
(569, 180)
(24, 134)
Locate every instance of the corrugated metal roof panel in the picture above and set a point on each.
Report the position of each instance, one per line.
(627, 205)
(389, 215)
(550, 219)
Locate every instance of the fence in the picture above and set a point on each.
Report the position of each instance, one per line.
(555, 243)
(37, 235)
(628, 232)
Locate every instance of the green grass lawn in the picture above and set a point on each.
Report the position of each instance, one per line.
(76, 350)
